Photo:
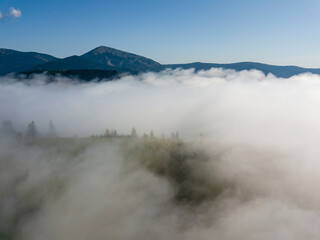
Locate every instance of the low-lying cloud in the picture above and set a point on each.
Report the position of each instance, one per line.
(216, 102)
(249, 167)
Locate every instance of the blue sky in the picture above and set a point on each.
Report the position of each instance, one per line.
(281, 32)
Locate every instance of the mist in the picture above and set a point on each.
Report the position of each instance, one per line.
(245, 166)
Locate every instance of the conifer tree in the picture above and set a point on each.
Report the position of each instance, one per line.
(52, 130)
(107, 133)
(133, 132)
(114, 133)
(32, 130)
(7, 127)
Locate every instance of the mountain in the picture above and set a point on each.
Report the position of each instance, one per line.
(15, 61)
(279, 71)
(68, 63)
(122, 61)
(103, 59)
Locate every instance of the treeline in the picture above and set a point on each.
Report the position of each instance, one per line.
(134, 134)
(32, 132)
(7, 129)
(81, 74)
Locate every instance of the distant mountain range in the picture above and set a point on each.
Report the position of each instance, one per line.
(107, 62)
(279, 71)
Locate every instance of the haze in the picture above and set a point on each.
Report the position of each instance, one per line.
(245, 166)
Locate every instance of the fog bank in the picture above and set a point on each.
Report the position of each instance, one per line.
(251, 174)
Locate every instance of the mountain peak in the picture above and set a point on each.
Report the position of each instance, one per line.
(104, 49)
(101, 49)
(125, 61)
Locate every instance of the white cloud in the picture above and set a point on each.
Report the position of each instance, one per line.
(261, 137)
(16, 13)
(13, 13)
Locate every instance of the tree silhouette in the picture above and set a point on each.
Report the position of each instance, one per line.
(7, 127)
(32, 130)
(52, 130)
(107, 133)
(133, 132)
(114, 133)
(151, 134)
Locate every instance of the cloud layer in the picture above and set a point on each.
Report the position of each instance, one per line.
(255, 170)
(219, 101)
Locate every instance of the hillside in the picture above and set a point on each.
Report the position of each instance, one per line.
(15, 61)
(81, 74)
(69, 63)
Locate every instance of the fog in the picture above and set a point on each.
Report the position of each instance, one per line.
(246, 167)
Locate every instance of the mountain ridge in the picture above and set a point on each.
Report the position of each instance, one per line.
(104, 58)
(16, 61)
(285, 71)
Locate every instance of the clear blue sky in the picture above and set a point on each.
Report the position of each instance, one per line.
(170, 31)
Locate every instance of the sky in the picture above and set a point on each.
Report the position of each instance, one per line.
(282, 32)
